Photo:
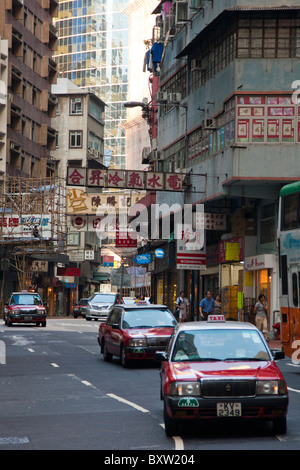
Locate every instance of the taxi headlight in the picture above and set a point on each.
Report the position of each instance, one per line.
(138, 342)
(270, 387)
(184, 388)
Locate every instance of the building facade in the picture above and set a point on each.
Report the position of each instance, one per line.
(79, 123)
(93, 53)
(32, 38)
(228, 119)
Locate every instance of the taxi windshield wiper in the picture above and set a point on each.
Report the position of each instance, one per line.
(206, 359)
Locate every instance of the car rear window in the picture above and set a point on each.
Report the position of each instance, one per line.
(148, 318)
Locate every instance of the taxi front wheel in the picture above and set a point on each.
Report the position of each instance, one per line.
(279, 426)
(171, 426)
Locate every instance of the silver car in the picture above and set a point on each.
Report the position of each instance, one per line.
(100, 304)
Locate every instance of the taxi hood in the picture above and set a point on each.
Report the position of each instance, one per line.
(233, 369)
(146, 332)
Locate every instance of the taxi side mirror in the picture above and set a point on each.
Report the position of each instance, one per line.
(277, 354)
(161, 356)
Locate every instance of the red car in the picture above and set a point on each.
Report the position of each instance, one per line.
(221, 370)
(25, 307)
(135, 332)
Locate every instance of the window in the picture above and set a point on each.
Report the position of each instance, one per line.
(75, 139)
(290, 212)
(75, 106)
(267, 227)
(295, 289)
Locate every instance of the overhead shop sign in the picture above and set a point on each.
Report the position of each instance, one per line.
(124, 179)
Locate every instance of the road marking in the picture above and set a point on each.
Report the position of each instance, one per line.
(30, 350)
(130, 403)
(293, 390)
(13, 440)
(88, 384)
(178, 441)
(54, 365)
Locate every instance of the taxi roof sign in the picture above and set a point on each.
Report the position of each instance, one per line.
(215, 318)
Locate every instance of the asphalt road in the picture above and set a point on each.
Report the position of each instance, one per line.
(57, 393)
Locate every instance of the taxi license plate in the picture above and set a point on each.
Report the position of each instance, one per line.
(229, 410)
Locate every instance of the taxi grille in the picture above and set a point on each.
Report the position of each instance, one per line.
(228, 388)
(26, 311)
(158, 341)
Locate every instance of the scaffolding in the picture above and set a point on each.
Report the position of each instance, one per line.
(32, 223)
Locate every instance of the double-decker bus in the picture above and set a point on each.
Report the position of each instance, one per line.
(289, 268)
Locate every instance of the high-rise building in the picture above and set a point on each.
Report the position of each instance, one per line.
(27, 26)
(93, 53)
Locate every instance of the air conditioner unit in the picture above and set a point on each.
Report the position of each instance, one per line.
(161, 97)
(146, 154)
(181, 12)
(209, 124)
(155, 155)
(174, 98)
(197, 64)
(159, 21)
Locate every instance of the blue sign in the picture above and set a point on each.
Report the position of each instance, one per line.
(159, 253)
(143, 259)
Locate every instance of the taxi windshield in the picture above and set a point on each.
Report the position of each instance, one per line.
(148, 318)
(26, 299)
(219, 345)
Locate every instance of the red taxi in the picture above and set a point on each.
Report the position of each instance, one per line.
(219, 369)
(134, 332)
(25, 307)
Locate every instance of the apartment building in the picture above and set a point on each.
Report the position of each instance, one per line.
(32, 39)
(3, 103)
(228, 119)
(79, 123)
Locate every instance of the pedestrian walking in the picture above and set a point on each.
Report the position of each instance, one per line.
(218, 305)
(207, 306)
(261, 315)
(182, 304)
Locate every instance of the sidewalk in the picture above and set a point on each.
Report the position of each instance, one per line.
(275, 344)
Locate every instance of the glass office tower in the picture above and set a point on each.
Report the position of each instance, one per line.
(93, 53)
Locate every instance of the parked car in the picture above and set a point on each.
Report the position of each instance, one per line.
(25, 307)
(100, 304)
(80, 308)
(217, 370)
(135, 332)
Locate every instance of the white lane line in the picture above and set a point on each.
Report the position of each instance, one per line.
(30, 350)
(178, 441)
(293, 390)
(54, 365)
(88, 384)
(130, 403)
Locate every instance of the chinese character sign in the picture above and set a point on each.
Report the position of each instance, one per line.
(121, 179)
(154, 181)
(76, 176)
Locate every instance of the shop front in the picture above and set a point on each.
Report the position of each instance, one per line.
(260, 277)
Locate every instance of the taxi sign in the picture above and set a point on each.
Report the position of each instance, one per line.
(215, 318)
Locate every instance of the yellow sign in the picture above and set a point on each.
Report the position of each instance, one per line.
(248, 281)
(232, 251)
(240, 300)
